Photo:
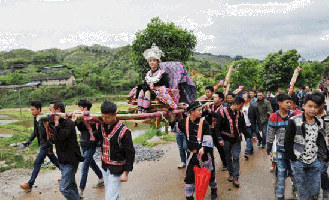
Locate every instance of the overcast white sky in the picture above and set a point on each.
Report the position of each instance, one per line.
(252, 28)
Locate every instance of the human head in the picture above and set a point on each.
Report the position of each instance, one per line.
(260, 96)
(219, 97)
(84, 105)
(109, 112)
(230, 97)
(51, 107)
(153, 63)
(252, 94)
(59, 107)
(284, 101)
(35, 108)
(307, 88)
(237, 103)
(195, 110)
(153, 56)
(311, 104)
(209, 91)
(246, 97)
(323, 99)
(294, 102)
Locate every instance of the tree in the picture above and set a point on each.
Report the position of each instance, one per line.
(245, 73)
(278, 69)
(311, 74)
(176, 43)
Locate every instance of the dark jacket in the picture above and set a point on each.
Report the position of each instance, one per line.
(224, 126)
(192, 143)
(253, 115)
(264, 109)
(65, 139)
(85, 135)
(120, 150)
(39, 132)
(296, 128)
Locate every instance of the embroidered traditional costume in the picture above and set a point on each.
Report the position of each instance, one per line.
(198, 135)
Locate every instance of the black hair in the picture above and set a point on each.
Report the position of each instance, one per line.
(282, 97)
(260, 91)
(220, 95)
(85, 103)
(231, 93)
(211, 88)
(108, 107)
(313, 97)
(294, 98)
(321, 95)
(238, 100)
(59, 105)
(36, 104)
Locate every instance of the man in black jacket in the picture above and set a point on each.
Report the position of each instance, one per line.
(118, 153)
(46, 149)
(251, 117)
(231, 126)
(62, 133)
(88, 143)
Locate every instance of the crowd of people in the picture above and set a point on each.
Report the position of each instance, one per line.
(290, 127)
(113, 137)
(292, 133)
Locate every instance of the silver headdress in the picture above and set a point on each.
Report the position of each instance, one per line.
(153, 52)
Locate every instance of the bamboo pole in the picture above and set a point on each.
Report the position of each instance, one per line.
(294, 79)
(228, 79)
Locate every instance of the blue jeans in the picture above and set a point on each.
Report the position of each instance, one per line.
(182, 146)
(264, 132)
(307, 178)
(68, 186)
(249, 146)
(88, 161)
(232, 152)
(324, 177)
(283, 170)
(43, 152)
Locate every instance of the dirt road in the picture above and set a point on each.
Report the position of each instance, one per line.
(154, 180)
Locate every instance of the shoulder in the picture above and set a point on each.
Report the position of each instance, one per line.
(297, 120)
(273, 117)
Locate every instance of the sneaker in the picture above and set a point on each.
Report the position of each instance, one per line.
(272, 169)
(81, 194)
(181, 165)
(213, 193)
(230, 178)
(236, 183)
(280, 198)
(26, 187)
(100, 183)
(246, 156)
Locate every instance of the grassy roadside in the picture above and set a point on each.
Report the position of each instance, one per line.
(152, 132)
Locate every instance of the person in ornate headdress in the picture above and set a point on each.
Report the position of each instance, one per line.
(156, 82)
